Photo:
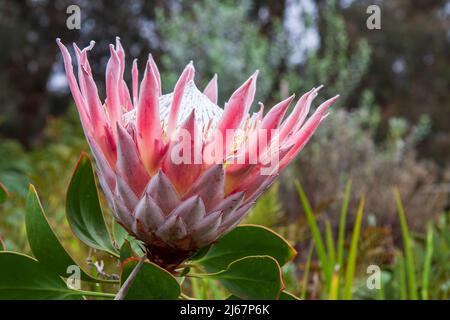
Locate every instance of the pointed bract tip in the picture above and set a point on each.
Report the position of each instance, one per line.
(255, 75)
(111, 49)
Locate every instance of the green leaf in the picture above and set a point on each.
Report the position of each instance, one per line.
(119, 234)
(83, 208)
(22, 277)
(200, 253)
(410, 266)
(427, 262)
(319, 244)
(351, 261)
(341, 234)
(3, 193)
(125, 251)
(285, 295)
(151, 283)
(244, 241)
(43, 241)
(256, 277)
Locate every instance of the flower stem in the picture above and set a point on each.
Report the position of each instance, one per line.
(127, 284)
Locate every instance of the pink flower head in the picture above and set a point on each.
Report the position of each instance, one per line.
(177, 170)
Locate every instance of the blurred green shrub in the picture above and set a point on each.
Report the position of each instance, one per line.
(219, 38)
(346, 147)
(48, 168)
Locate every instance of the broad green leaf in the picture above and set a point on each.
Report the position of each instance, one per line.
(255, 277)
(43, 241)
(3, 193)
(151, 283)
(83, 208)
(244, 241)
(22, 277)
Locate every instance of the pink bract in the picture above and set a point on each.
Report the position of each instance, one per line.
(173, 207)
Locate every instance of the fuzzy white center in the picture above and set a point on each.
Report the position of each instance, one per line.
(207, 114)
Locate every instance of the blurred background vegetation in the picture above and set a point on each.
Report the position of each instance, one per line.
(389, 129)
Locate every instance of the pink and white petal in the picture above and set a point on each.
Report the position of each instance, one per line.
(172, 229)
(135, 82)
(206, 229)
(149, 131)
(162, 191)
(113, 84)
(211, 89)
(301, 137)
(125, 195)
(236, 110)
(186, 76)
(183, 163)
(191, 211)
(129, 164)
(73, 85)
(209, 186)
(149, 216)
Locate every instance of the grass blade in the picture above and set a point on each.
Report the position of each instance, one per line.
(330, 244)
(402, 278)
(320, 248)
(427, 263)
(342, 224)
(341, 234)
(410, 269)
(334, 283)
(351, 262)
(306, 272)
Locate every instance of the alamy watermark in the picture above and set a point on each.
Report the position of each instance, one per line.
(373, 22)
(73, 21)
(373, 281)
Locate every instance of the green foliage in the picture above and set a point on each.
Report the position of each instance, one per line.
(151, 283)
(3, 193)
(253, 277)
(43, 241)
(24, 278)
(83, 208)
(407, 242)
(45, 167)
(217, 46)
(247, 240)
(267, 210)
(320, 247)
(351, 262)
(332, 65)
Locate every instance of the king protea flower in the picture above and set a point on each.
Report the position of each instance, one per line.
(177, 170)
